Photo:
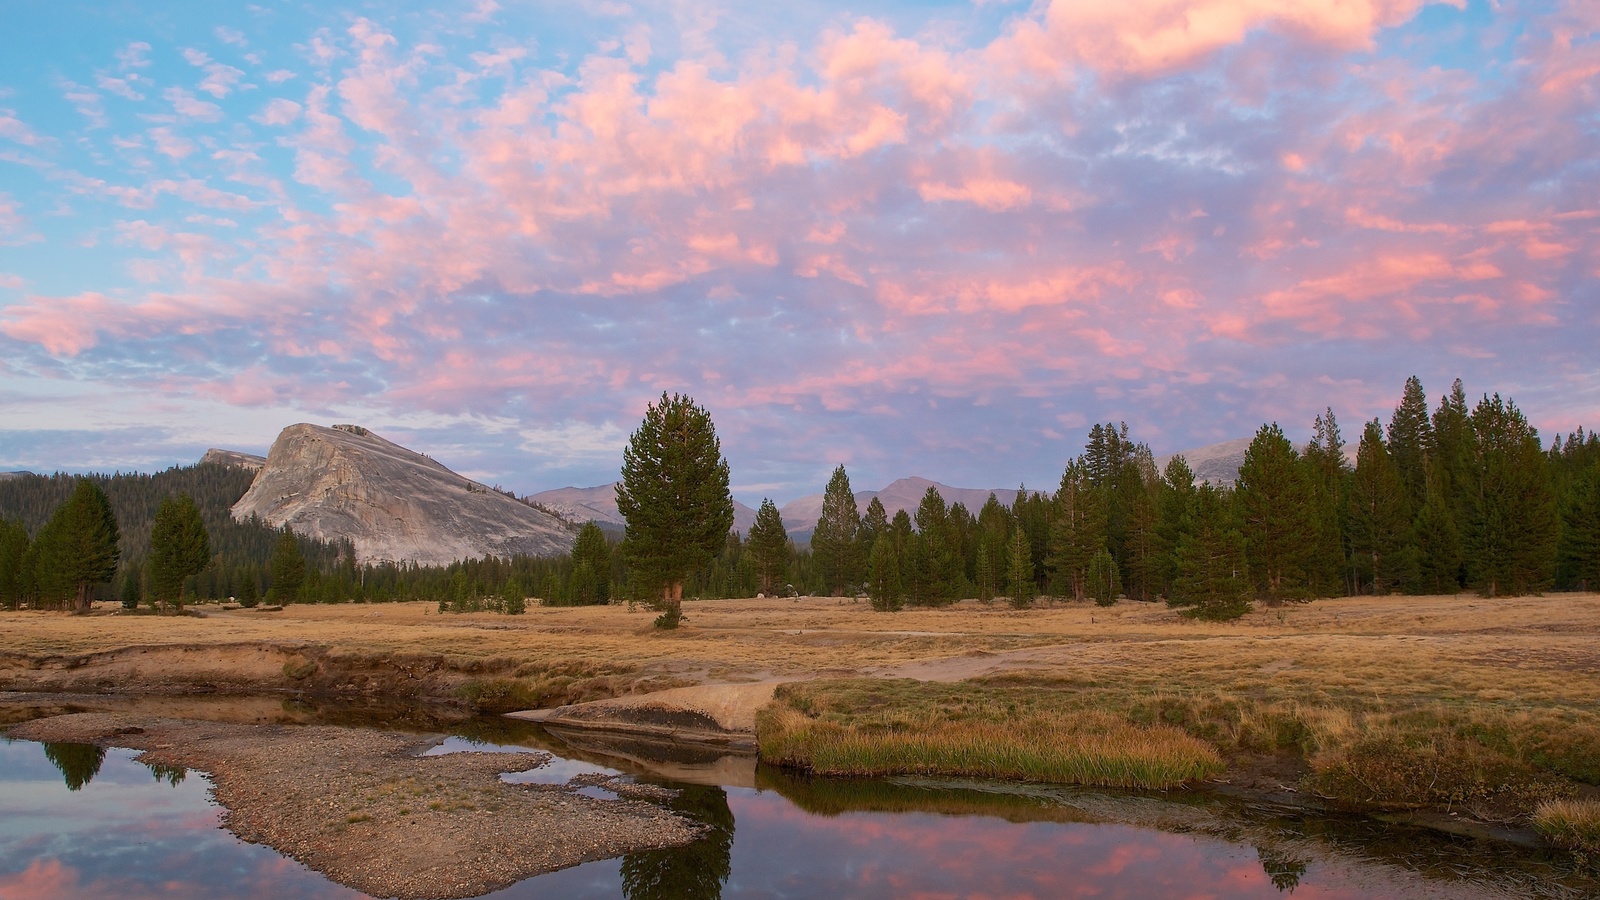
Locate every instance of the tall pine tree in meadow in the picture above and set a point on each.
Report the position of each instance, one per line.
(77, 548)
(833, 542)
(180, 548)
(1513, 523)
(769, 544)
(1276, 515)
(1381, 539)
(674, 497)
(1410, 436)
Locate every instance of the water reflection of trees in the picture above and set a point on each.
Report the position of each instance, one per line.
(172, 775)
(694, 872)
(79, 763)
(1284, 870)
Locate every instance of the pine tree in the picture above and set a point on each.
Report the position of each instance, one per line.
(994, 538)
(884, 588)
(1380, 517)
(248, 598)
(179, 548)
(833, 543)
(132, 591)
(288, 569)
(916, 570)
(933, 524)
(1580, 539)
(1513, 524)
(590, 582)
(984, 574)
(1079, 528)
(1019, 572)
(77, 549)
(674, 497)
(1438, 540)
(1103, 585)
(769, 545)
(1328, 479)
(1172, 517)
(1213, 574)
(1410, 436)
(1276, 515)
(1452, 449)
(1143, 547)
(874, 523)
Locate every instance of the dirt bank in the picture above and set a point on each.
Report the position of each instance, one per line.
(364, 809)
(706, 713)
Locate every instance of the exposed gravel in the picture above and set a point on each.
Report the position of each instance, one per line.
(364, 809)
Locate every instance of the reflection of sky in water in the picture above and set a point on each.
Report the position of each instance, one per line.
(127, 836)
(557, 771)
(782, 851)
(463, 745)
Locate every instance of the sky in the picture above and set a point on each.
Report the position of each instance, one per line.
(938, 239)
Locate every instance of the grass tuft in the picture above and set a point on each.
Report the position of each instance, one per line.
(1573, 824)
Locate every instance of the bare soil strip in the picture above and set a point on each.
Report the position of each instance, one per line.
(364, 809)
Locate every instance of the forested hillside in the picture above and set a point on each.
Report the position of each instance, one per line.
(240, 550)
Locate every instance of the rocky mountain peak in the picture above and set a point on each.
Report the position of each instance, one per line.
(391, 503)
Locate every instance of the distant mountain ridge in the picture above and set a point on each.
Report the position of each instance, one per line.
(391, 503)
(599, 504)
(800, 516)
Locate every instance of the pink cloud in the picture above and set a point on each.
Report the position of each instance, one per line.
(1150, 37)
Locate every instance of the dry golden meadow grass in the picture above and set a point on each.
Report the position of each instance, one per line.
(1520, 651)
(1488, 702)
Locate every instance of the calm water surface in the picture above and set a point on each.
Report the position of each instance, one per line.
(83, 823)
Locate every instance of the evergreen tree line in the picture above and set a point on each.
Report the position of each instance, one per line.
(1436, 502)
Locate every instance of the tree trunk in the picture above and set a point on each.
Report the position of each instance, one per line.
(83, 597)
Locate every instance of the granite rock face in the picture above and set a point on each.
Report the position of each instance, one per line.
(393, 504)
(233, 458)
